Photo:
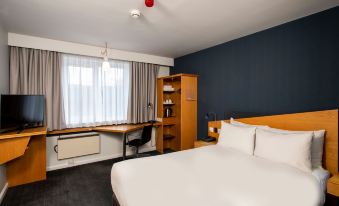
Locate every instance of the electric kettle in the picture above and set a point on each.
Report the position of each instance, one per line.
(168, 112)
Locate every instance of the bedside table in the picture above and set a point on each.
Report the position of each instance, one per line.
(333, 185)
(199, 143)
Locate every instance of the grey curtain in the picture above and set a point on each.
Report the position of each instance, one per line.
(38, 72)
(142, 100)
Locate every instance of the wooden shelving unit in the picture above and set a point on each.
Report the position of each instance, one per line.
(179, 131)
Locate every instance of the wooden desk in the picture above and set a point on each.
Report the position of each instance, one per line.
(125, 128)
(24, 154)
(109, 128)
(122, 129)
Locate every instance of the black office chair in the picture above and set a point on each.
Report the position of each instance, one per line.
(145, 137)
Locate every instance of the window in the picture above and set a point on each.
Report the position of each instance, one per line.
(93, 96)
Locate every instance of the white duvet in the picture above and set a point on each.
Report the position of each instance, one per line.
(212, 176)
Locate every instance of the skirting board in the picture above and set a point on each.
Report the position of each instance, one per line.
(103, 158)
(3, 192)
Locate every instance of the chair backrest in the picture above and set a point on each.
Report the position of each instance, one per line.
(146, 134)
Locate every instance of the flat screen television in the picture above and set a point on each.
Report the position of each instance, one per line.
(21, 111)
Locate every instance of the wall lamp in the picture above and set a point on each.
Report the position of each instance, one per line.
(209, 115)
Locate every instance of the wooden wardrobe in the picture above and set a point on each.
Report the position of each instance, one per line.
(179, 130)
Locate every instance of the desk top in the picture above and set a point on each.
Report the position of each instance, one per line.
(120, 128)
(24, 133)
(123, 128)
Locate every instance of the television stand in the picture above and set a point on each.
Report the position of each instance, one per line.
(24, 154)
(21, 129)
(13, 129)
(7, 130)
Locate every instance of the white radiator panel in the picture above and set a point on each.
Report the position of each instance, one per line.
(70, 146)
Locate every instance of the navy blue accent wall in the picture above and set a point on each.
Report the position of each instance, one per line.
(290, 68)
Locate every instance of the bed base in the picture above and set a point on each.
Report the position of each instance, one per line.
(115, 200)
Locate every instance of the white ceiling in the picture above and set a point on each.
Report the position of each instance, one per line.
(172, 28)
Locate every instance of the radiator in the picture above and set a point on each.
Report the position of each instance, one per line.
(76, 145)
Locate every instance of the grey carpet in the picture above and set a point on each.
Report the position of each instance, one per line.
(85, 185)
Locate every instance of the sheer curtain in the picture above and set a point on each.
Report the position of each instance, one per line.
(93, 96)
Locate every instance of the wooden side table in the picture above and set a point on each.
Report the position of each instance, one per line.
(199, 143)
(333, 185)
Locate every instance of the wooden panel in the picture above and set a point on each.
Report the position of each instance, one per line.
(159, 139)
(169, 121)
(24, 133)
(307, 121)
(72, 130)
(178, 75)
(175, 143)
(188, 112)
(333, 185)
(203, 144)
(12, 148)
(89, 129)
(31, 166)
(125, 128)
(160, 109)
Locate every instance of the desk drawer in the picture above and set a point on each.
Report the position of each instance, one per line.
(70, 146)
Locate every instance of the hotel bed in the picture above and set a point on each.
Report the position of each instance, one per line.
(214, 175)
(218, 175)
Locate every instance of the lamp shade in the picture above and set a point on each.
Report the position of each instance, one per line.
(105, 65)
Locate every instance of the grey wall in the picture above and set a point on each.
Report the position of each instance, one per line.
(4, 84)
(291, 68)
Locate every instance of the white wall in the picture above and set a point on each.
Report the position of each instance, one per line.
(4, 78)
(164, 71)
(110, 145)
(82, 49)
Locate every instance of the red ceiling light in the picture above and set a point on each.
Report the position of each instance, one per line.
(149, 3)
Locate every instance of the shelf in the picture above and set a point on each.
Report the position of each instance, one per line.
(169, 124)
(169, 117)
(169, 104)
(168, 136)
(169, 91)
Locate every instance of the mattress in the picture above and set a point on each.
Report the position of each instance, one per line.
(214, 176)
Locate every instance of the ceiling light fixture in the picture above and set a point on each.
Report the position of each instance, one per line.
(135, 13)
(105, 63)
(149, 3)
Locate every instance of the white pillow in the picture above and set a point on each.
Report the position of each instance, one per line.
(292, 149)
(237, 123)
(317, 143)
(236, 137)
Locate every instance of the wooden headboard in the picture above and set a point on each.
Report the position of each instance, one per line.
(327, 120)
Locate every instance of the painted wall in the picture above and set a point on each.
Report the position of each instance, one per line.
(4, 86)
(290, 68)
(83, 49)
(110, 147)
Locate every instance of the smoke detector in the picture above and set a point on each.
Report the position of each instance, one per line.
(135, 13)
